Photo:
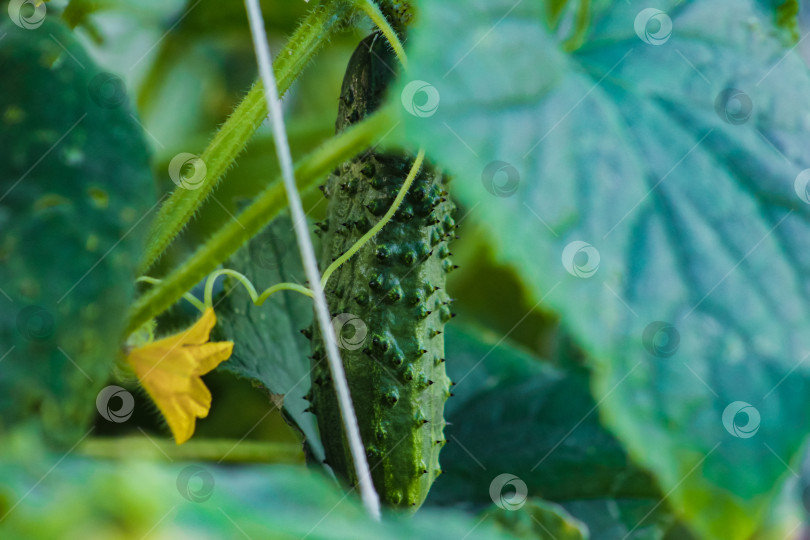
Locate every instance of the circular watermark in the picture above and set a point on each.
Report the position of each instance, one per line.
(653, 26)
(580, 259)
(353, 339)
(27, 14)
(661, 339)
(195, 483)
(420, 99)
(800, 185)
(733, 106)
(732, 414)
(500, 178)
(187, 170)
(110, 414)
(35, 323)
(270, 250)
(107, 90)
(508, 501)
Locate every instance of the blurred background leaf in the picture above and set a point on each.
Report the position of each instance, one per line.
(134, 499)
(539, 520)
(70, 231)
(637, 160)
(513, 414)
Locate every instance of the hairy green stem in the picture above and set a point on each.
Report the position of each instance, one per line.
(372, 10)
(316, 28)
(261, 211)
(219, 450)
(190, 298)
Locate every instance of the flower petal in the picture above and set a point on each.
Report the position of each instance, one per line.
(169, 370)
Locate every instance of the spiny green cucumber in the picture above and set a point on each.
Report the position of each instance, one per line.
(395, 285)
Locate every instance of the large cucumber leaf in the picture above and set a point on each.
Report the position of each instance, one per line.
(648, 187)
(268, 346)
(75, 190)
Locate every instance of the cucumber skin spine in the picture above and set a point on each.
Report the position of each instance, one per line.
(395, 284)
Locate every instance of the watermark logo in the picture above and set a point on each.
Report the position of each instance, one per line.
(420, 99)
(35, 323)
(271, 251)
(508, 501)
(800, 185)
(195, 483)
(27, 14)
(661, 339)
(653, 26)
(123, 412)
(733, 106)
(187, 171)
(107, 90)
(580, 259)
(500, 179)
(350, 330)
(741, 411)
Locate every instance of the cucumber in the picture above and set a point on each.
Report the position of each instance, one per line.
(395, 285)
(75, 191)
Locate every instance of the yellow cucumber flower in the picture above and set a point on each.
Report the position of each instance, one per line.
(169, 370)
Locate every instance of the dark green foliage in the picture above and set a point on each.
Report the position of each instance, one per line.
(517, 414)
(676, 172)
(74, 187)
(395, 286)
(268, 345)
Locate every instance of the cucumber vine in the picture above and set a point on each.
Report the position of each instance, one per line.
(231, 139)
(221, 153)
(259, 299)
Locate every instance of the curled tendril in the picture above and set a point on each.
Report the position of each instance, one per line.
(256, 298)
(417, 164)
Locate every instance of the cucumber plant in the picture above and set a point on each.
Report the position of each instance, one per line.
(395, 284)
(641, 179)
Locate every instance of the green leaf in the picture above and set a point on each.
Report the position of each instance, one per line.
(268, 345)
(512, 414)
(538, 520)
(50, 495)
(645, 187)
(785, 15)
(552, 422)
(626, 519)
(75, 189)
